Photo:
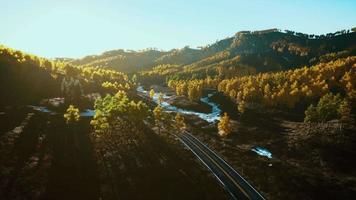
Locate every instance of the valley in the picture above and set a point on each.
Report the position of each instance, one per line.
(260, 115)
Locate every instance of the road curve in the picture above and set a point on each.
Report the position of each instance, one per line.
(232, 181)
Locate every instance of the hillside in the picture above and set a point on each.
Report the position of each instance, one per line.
(267, 50)
(23, 76)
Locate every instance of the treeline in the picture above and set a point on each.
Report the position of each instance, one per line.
(28, 78)
(313, 36)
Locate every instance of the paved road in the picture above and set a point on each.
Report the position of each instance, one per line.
(233, 182)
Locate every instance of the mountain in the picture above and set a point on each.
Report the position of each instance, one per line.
(266, 50)
(121, 60)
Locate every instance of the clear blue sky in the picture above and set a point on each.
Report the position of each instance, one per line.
(75, 28)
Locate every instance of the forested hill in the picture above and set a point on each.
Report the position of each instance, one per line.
(27, 78)
(266, 50)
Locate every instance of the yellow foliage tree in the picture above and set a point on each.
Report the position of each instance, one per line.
(158, 115)
(152, 93)
(72, 114)
(224, 125)
(180, 122)
(288, 88)
(241, 107)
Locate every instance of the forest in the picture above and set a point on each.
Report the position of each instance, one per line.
(103, 126)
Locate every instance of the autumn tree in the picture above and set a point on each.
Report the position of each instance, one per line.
(241, 107)
(152, 94)
(179, 122)
(287, 89)
(224, 125)
(72, 114)
(158, 115)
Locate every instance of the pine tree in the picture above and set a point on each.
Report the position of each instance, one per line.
(328, 108)
(311, 114)
(345, 111)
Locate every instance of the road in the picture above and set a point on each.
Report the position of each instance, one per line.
(232, 181)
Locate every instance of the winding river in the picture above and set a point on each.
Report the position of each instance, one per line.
(213, 116)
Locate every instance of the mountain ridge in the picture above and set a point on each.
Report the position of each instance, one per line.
(265, 50)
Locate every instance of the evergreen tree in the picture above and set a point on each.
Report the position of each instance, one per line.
(345, 111)
(311, 114)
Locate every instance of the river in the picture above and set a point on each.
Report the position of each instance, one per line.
(213, 116)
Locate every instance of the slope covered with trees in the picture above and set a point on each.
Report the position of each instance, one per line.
(244, 53)
(294, 87)
(24, 76)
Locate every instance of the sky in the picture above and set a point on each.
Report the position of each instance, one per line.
(76, 28)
